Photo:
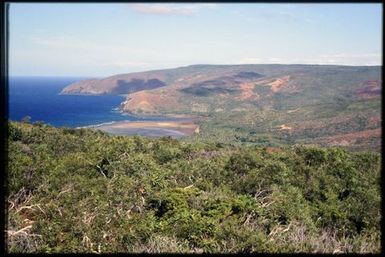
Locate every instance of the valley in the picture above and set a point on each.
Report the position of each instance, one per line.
(266, 105)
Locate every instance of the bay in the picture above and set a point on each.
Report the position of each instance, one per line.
(39, 98)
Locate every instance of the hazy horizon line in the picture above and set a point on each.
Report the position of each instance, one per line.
(184, 66)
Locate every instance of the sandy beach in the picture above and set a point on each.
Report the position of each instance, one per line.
(175, 129)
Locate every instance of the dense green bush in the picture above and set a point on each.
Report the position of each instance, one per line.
(82, 191)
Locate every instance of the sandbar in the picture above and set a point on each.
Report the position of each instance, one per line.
(175, 129)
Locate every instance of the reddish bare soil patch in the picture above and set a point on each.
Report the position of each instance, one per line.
(279, 83)
(374, 121)
(247, 91)
(149, 102)
(351, 138)
(372, 82)
(369, 89)
(284, 127)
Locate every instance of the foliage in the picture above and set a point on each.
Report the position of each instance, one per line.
(83, 191)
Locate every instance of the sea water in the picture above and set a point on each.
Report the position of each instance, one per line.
(39, 98)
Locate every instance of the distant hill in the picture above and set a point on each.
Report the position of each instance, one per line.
(259, 104)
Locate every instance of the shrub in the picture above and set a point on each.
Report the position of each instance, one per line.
(83, 191)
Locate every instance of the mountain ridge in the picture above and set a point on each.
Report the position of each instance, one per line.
(257, 103)
(104, 88)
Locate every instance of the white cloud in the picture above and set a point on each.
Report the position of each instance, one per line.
(276, 13)
(208, 5)
(259, 60)
(335, 59)
(275, 60)
(177, 9)
(352, 59)
(250, 60)
(127, 64)
(163, 9)
(344, 55)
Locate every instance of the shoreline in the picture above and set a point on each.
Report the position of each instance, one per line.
(159, 116)
(158, 128)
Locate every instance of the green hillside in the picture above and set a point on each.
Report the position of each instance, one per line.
(83, 191)
(264, 105)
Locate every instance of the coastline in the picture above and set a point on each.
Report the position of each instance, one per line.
(157, 128)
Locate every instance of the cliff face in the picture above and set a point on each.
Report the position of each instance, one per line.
(85, 87)
(119, 84)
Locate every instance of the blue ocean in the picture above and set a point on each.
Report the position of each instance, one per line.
(38, 97)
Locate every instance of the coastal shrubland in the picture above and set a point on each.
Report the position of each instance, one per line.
(267, 105)
(84, 191)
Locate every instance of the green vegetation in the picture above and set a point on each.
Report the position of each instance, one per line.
(249, 104)
(78, 190)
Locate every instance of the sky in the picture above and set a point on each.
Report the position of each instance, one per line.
(100, 40)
